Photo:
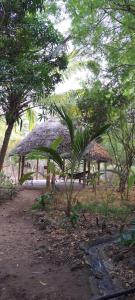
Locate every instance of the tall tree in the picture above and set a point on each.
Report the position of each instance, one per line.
(94, 105)
(104, 30)
(32, 57)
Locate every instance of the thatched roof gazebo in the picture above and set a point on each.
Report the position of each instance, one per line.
(45, 134)
(42, 136)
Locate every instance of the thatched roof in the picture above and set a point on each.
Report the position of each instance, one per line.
(42, 136)
(46, 133)
(96, 152)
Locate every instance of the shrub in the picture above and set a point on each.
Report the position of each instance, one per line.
(74, 216)
(44, 201)
(7, 188)
(5, 181)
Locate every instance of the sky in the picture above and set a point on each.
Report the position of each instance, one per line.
(73, 81)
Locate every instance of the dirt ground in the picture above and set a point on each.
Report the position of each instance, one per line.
(44, 261)
(25, 272)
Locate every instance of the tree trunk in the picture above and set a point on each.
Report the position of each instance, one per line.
(48, 175)
(22, 165)
(69, 206)
(19, 167)
(84, 173)
(122, 183)
(123, 188)
(5, 144)
(98, 172)
(69, 198)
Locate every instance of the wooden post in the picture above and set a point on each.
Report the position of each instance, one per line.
(37, 169)
(48, 175)
(19, 168)
(53, 180)
(105, 166)
(98, 172)
(22, 166)
(64, 176)
(89, 168)
(84, 173)
(88, 177)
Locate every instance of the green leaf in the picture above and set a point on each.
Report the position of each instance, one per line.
(131, 180)
(35, 154)
(53, 154)
(30, 114)
(94, 66)
(25, 177)
(81, 141)
(55, 144)
(68, 121)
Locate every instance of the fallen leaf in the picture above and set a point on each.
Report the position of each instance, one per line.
(43, 283)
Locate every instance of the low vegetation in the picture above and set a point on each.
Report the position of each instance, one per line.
(44, 202)
(7, 187)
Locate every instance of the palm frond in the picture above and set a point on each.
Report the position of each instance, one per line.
(36, 154)
(68, 121)
(31, 116)
(81, 141)
(55, 144)
(53, 154)
(25, 177)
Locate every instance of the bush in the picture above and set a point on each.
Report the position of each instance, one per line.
(74, 216)
(5, 181)
(7, 188)
(44, 201)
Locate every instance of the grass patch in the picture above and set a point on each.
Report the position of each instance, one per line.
(104, 208)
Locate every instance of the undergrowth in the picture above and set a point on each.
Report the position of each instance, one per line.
(104, 208)
(44, 201)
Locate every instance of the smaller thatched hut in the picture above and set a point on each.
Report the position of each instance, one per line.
(46, 133)
(96, 152)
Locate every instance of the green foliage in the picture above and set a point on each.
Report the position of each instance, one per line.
(74, 216)
(80, 138)
(45, 152)
(121, 142)
(32, 59)
(53, 154)
(131, 179)
(7, 188)
(104, 30)
(105, 208)
(34, 66)
(94, 66)
(25, 177)
(28, 6)
(128, 239)
(44, 201)
(31, 116)
(94, 106)
(5, 181)
(66, 118)
(55, 144)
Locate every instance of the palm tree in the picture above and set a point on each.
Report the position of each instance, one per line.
(80, 138)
